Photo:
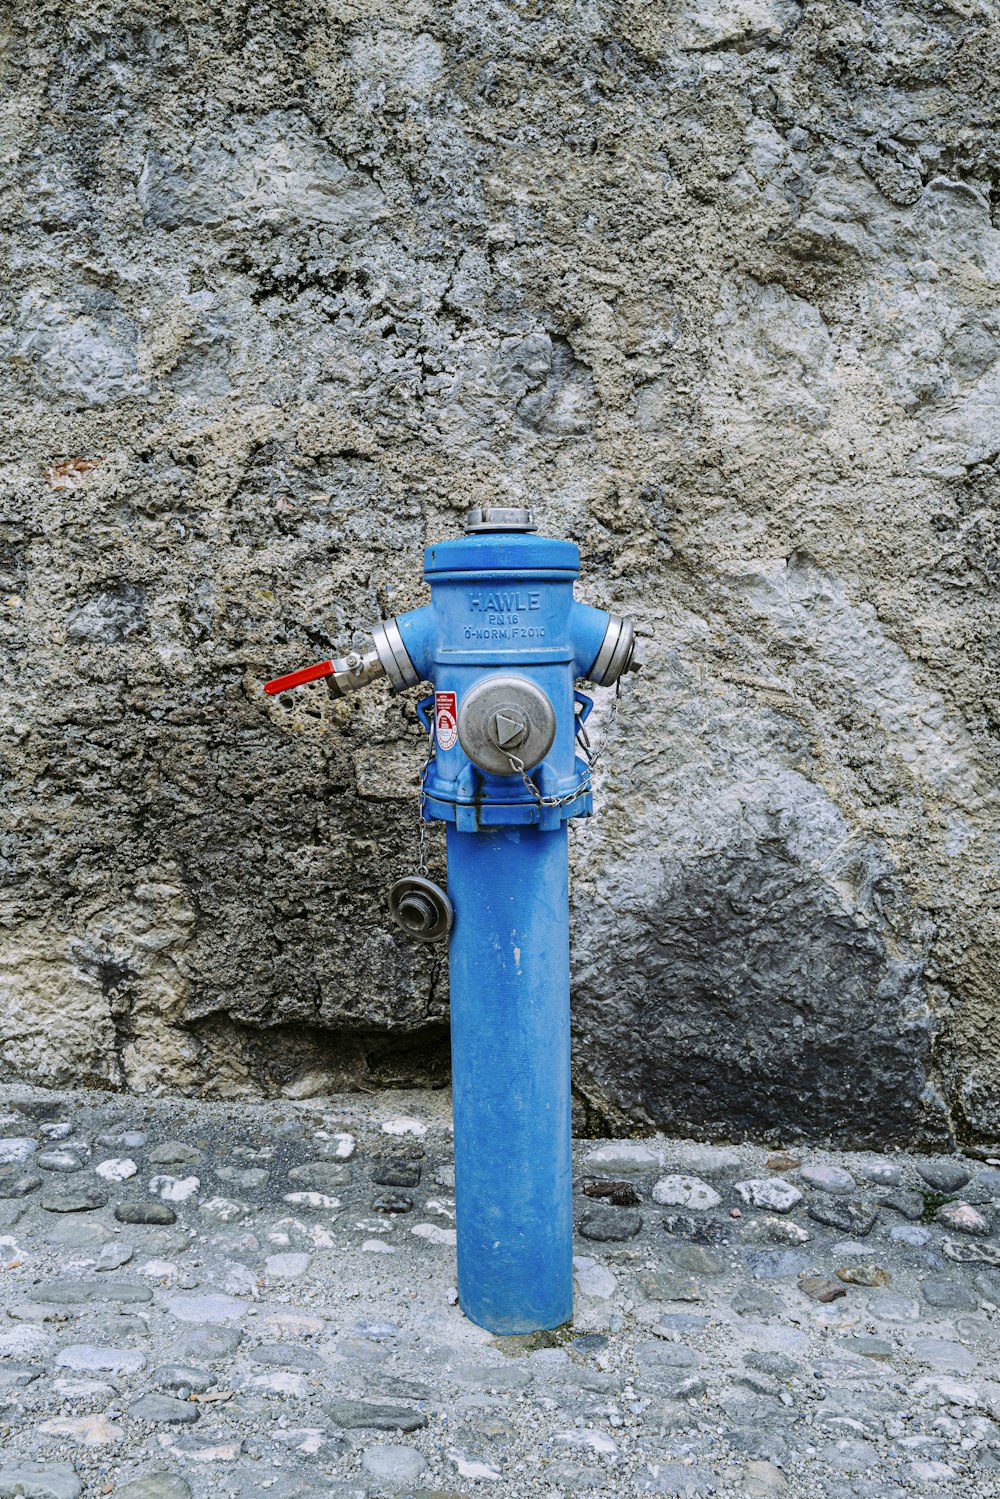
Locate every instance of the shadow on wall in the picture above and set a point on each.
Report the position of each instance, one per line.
(304, 1061)
(743, 1006)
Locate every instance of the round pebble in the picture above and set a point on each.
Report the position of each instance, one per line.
(685, 1191)
(390, 1462)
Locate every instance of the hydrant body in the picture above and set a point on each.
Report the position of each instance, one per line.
(510, 1068)
(502, 606)
(504, 642)
(502, 603)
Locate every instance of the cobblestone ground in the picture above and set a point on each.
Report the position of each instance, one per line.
(239, 1300)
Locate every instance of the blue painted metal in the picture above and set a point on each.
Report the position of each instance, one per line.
(509, 959)
(503, 603)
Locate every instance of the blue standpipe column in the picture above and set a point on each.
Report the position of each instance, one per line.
(510, 1050)
(503, 642)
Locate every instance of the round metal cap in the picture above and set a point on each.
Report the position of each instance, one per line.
(499, 518)
(505, 716)
(420, 908)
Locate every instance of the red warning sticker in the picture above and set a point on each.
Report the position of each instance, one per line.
(446, 720)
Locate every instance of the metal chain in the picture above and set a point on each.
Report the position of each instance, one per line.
(609, 727)
(421, 804)
(517, 766)
(591, 756)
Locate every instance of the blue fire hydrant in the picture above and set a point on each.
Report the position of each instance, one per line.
(504, 642)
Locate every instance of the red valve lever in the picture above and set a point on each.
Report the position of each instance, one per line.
(297, 678)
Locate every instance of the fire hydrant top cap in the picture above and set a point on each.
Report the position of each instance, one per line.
(502, 551)
(499, 518)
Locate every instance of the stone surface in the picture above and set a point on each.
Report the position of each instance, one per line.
(680, 1480)
(84, 1356)
(395, 1171)
(754, 1302)
(145, 1212)
(210, 1343)
(763, 1479)
(773, 1193)
(776, 1264)
(320, 1176)
(274, 1355)
(116, 1170)
(16, 1149)
(164, 1410)
(66, 1161)
(281, 1355)
(18, 1184)
(71, 1290)
(174, 1188)
(155, 1486)
(850, 1217)
(882, 1172)
(182, 1379)
(962, 1218)
(696, 1258)
(910, 1204)
(711, 284)
(623, 1194)
(39, 1481)
(948, 1295)
(869, 1274)
(175, 1153)
(945, 1175)
(114, 1256)
(206, 1308)
(909, 1233)
(609, 1225)
(593, 1279)
(780, 1231)
(87, 1431)
(971, 1252)
(988, 1285)
(832, 1179)
(78, 1232)
(366, 1415)
(685, 1191)
(821, 1288)
(666, 1285)
(72, 1196)
(391, 1462)
(623, 1157)
(287, 1266)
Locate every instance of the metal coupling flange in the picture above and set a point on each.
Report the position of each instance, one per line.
(421, 908)
(394, 656)
(616, 653)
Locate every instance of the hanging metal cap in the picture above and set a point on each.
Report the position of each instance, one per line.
(499, 518)
(421, 908)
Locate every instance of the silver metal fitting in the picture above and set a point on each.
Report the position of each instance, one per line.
(616, 654)
(499, 518)
(503, 717)
(353, 671)
(394, 656)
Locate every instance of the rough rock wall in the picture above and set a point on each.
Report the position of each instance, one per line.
(715, 284)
